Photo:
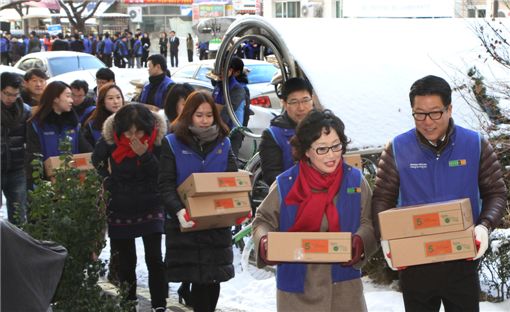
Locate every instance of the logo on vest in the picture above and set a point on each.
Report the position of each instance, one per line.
(186, 152)
(457, 163)
(219, 151)
(418, 165)
(49, 133)
(352, 190)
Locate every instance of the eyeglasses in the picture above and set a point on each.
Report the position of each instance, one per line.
(8, 94)
(435, 115)
(323, 150)
(304, 101)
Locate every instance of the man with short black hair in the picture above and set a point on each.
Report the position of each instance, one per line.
(174, 49)
(13, 138)
(438, 145)
(155, 90)
(33, 86)
(275, 150)
(103, 76)
(82, 104)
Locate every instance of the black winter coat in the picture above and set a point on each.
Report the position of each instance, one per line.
(271, 155)
(134, 207)
(197, 257)
(13, 135)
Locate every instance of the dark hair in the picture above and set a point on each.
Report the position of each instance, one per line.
(76, 36)
(100, 114)
(175, 93)
(52, 91)
(8, 79)
(295, 84)
(105, 74)
(133, 115)
(431, 85)
(80, 85)
(35, 72)
(158, 59)
(184, 120)
(236, 64)
(311, 128)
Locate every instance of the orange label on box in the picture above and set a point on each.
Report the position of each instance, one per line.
(80, 162)
(224, 203)
(315, 245)
(438, 248)
(426, 220)
(226, 181)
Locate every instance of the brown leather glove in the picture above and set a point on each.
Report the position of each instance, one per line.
(357, 251)
(263, 251)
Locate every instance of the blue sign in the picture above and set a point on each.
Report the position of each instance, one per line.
(54, 29)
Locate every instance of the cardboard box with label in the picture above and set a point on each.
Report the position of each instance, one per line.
(317, 247)
(209, 183)
(353, 160)
(442, 217)
(217, 211)
(433, 248)
(80, 161)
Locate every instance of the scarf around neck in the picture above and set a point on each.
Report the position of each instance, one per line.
(205, 135)
(313, 193)
(124, 150)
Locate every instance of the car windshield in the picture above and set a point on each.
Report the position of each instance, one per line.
(261, 73)
(65, 64)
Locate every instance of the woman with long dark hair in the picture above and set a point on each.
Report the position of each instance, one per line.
(163, 44)
(126, 156)
(109, 101)
(321, 193)
(175, 99)
(52, 121)
(199, 143)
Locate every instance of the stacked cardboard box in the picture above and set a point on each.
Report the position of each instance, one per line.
(353, 160)
(320, 247)
(215, 199)
(429, 233)
(82, 162)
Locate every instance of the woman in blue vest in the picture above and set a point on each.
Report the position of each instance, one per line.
(52, 121)
(319, 194)
(199, 143)
(109, 101)
(126, 156)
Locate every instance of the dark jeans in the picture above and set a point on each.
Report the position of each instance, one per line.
(14, 187)
(174, 55)
(455, 283)
(190, 56)
(126, 248)
(205, 296)
(107, 59)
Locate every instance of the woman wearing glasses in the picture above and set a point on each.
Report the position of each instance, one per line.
(315, 195)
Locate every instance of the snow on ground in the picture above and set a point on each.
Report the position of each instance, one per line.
(245, 293)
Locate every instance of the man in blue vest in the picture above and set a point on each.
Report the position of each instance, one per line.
(4, 49)
(105, 49)
(159, 82)
(83, 105)
(438, 146)
(275, 150)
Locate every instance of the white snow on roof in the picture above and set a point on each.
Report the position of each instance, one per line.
(363, 69)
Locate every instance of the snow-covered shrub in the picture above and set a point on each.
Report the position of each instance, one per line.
(495, 267)
(70, 212)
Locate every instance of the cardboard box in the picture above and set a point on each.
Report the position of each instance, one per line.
(80, 161)
(433, 248)
(309, 246)
(209, 183)
(217, 211)
(353, 160)
(449, 216)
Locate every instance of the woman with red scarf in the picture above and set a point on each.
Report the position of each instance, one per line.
(320, 193)
(127, 155)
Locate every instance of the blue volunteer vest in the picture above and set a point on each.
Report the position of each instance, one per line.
(4, 45)
(87, 44)
(290, 277)
(426, 178)
(218, 97)
(282, 137)
(189, 162)
(160, 92)
(50, 137)
(86, 113)
(107, 46)
(138, 51)
(96, 134)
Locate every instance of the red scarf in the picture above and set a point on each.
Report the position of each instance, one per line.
(314, 192)
(123, 148)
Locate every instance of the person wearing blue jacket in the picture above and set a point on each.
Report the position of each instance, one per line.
(154, 91)
(53, 120)
(138, 51)
(433, 162)
(5, 45)
(321, 193)
(105, 50)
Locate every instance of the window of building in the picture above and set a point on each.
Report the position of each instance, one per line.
(471, 12)
(338, 9)
(481, 13)
(288, 9)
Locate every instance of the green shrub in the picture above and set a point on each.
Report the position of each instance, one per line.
(495, 267)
